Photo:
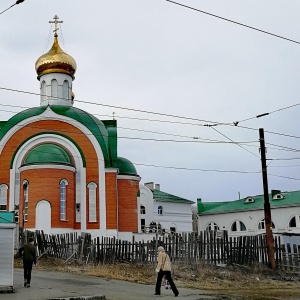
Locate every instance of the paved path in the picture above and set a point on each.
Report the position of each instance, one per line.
(47, 285)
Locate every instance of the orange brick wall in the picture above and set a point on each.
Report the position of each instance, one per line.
(54, 126)
(111, 200)
(44, 185)
(127, 205)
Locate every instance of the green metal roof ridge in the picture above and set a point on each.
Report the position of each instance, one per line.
(19, 117)
(290, 199)
(166, 197)
(92, 123)
(2, 123)
(111, 126)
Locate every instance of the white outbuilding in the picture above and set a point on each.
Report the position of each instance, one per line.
(7, 236)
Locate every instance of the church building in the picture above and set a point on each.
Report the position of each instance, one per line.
(59, 165)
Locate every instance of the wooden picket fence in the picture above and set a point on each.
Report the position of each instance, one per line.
(209, 247)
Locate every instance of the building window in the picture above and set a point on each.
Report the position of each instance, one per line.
(143, 227)
(66, 90)
(262, 225)
(3, 196)
(160, 210)
(63, 197)
(294, 222)
(238, 226)
(92, 202)
(172, 229)
(54, 88)
(212, 226)
(25, 195)
(142, 210)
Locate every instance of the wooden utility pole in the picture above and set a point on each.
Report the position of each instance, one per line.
(267, 207)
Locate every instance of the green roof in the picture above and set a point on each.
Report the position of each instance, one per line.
(48, 153)
(165, 197)
(289, 199)
(96, 126)
(126, 167)
(105, 132)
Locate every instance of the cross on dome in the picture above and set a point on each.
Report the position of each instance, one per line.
(55, 22)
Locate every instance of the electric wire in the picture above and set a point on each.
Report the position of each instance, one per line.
(118, 107)
(235, 142)
(17, 2)
(232, 21)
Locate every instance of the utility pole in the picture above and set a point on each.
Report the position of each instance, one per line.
(267, 207)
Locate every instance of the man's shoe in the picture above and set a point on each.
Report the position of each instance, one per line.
(176, 295)
(28, 285)
(157, 294)
(25, 283)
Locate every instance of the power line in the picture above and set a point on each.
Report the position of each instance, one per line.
(17, 2)
(155, 166)
(286, 177)
(234, 142)
(234, 22)
(266, 114)
(118, 107)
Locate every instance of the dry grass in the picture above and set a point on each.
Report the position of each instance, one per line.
(240, 283)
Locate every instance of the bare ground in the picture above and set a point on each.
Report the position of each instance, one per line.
(231, 282)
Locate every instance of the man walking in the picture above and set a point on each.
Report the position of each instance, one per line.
(28, 252)
(163, 268)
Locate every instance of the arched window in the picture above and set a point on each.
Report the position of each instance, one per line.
(63, 198)
(212, 226)
(92, 186)
(294, 222)
(25, 198)
(66, 90)
(54, 88)
(238, 226)
(262, 225)
(160, 210)
(3, 196)
(142, 210)
(43, 90)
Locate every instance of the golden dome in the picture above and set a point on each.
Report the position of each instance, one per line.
(55, 61)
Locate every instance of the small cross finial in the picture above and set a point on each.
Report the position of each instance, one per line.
(55, 22)
(113, 115)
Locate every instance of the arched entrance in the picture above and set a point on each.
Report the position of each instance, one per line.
(43, 216)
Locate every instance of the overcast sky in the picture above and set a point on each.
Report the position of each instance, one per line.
(155, 56)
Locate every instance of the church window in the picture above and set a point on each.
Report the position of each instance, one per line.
(142, 210)
(3, 196)
(66, 90)
(294, 222)
(54, 88)
(212, 226)
(238, 226)
(160, 210)
(92, 202)
(43, 90)
(63, 197)
(25, 195)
